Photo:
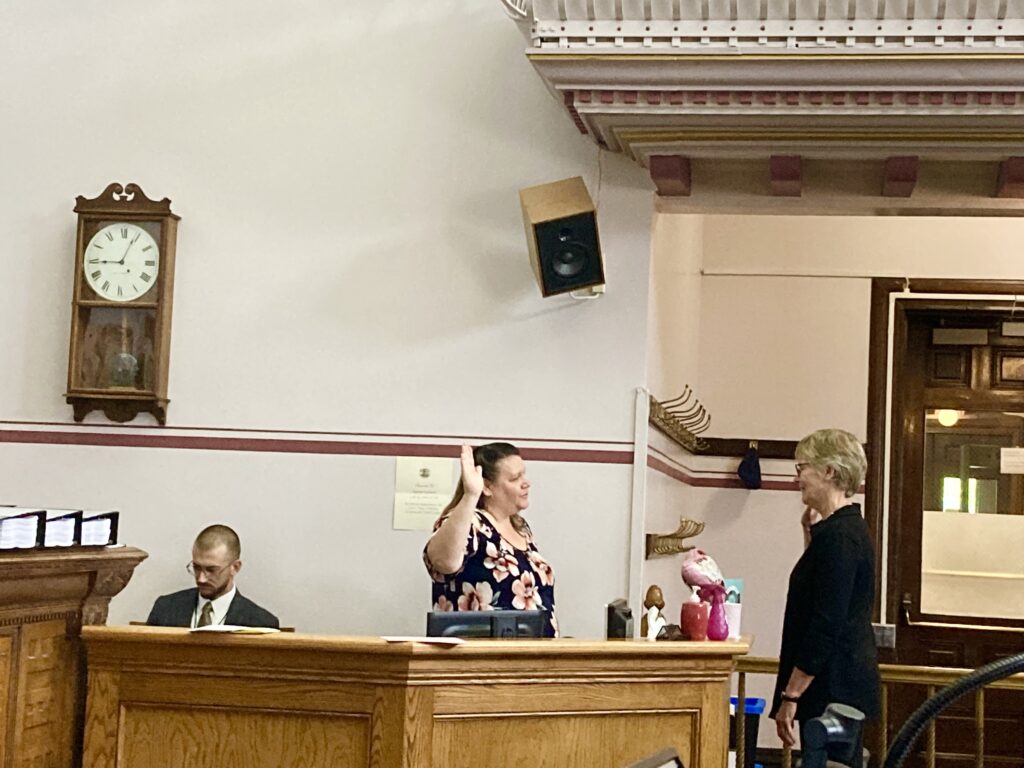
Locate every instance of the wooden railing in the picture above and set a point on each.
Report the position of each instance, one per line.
(933, 678)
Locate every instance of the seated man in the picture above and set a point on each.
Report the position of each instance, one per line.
(215, 600)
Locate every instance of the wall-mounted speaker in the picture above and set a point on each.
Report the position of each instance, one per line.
(561, 230)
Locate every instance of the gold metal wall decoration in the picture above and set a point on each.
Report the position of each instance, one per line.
(682, 419)
(656, 544)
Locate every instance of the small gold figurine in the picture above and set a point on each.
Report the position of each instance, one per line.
(653, 619)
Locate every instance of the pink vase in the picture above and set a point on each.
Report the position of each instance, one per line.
(718, 627)
(693, 620)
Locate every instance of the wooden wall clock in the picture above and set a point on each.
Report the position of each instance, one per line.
(121, 307)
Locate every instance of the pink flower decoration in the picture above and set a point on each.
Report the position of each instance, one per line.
(502, 563)
(526, 596)
(483, 528)
(443, 604)
(540, 565)
(476, 598)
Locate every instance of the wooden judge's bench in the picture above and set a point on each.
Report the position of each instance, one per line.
(165, 698)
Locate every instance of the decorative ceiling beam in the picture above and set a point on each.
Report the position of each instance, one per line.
(1011, 178)
(670, 174)
(906, 98)
(786, 175)
(900, 176)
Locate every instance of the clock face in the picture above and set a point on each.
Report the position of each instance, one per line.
(121, 262)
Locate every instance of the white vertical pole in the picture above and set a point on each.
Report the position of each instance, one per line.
(635, 550)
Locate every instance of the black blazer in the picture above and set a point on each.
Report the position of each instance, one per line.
(175, 610)
(827, 628)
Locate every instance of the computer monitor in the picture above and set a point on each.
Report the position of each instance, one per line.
(619, 620)
(505, 624)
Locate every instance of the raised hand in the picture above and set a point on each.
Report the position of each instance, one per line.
(807, 519)
(810, 517)
(472, 475)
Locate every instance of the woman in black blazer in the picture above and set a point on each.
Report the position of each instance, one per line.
(828, 646)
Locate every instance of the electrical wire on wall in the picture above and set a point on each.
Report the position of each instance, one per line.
(594, 291)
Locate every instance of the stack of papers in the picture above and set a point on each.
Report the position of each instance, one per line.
(31, 527)
(63, 527)
(21, 527)
(99, 529)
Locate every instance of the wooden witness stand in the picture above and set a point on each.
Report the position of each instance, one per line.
(46, 596)
(168, 698)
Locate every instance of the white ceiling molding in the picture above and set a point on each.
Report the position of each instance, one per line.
(738, 25)
(877, 81)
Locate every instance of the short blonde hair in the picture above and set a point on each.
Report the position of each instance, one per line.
(838, 449)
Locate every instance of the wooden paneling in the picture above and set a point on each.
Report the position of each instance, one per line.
(329, 696)
(165, 697)
(454, 701)
(45, 598)
(592, 739)
(6, 689)
(45, 699)
(101, 722)
(203, 737)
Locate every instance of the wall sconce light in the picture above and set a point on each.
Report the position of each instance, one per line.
(948, 417)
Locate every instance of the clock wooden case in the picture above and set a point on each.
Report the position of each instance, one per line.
(121, 307)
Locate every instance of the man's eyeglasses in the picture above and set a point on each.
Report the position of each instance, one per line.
(801, 466)
(205, 570)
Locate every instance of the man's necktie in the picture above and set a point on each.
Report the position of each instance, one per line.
(206, 615)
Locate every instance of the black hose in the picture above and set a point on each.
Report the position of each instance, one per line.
(916, 723)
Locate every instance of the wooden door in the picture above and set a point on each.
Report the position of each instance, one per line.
(957, 531)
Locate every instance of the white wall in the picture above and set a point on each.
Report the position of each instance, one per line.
(785, 308)
(864, 246)
(673, 329)
(783, 356)
(350, 259)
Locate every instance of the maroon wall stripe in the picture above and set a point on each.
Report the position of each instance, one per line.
(716, 482)
(131, 439)
(280, 445)
(321, 433)
(692, 471)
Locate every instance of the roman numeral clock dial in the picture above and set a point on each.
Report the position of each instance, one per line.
(121, 262)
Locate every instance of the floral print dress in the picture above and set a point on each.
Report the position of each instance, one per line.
(496, 575)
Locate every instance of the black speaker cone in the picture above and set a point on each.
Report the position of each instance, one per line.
(569, 253)
(570, 261)
(571, 257)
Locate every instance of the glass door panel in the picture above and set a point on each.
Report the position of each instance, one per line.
(972, 548)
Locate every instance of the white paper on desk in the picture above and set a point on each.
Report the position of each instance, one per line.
(426, 640)
(235, 629)
(422, 488)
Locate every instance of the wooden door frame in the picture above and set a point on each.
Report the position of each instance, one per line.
(879, 406)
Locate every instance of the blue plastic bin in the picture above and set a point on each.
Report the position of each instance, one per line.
(753, 706)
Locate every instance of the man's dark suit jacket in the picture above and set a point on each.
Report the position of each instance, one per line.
(176, 610)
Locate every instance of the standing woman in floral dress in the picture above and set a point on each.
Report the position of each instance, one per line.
(482, 556)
